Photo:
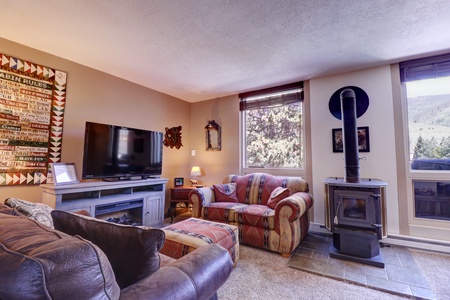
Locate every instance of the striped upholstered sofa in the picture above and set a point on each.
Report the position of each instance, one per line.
(271, 212)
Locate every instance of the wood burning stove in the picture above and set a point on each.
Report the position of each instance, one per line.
(356, 215)
(355, 210)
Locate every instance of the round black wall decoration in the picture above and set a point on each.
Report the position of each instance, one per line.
(362, 102)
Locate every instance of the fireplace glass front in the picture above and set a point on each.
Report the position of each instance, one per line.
(125, 212)
(355, 208)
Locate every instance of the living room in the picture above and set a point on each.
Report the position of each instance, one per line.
(97, 96)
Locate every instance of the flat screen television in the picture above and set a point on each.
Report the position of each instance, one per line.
(118, 153)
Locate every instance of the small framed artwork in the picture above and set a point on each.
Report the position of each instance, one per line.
(363, 139)
(64, 173)
(179, 181)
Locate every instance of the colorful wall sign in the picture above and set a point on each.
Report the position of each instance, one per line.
(32, 101)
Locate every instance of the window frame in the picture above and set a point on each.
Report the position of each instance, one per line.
(407, 73)
(410, 224)
(302, 172)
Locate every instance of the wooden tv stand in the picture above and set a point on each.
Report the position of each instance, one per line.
(96, 195)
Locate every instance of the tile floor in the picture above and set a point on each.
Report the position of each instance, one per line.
(400, 275)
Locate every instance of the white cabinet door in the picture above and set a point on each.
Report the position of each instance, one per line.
(154, 211)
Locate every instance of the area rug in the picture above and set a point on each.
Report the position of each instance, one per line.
(400, 275)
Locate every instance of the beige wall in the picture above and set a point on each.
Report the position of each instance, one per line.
(381, 160)
(216, 165)
(99, 97)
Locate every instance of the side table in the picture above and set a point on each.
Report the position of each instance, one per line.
(178, 195)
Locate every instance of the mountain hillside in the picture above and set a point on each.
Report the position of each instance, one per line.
(433, 110)
(428, 116)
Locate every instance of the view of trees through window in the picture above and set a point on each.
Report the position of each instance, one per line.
(429, 118)
(273, 137)
(429, 141)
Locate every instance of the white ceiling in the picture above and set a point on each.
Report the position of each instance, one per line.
(203, 49)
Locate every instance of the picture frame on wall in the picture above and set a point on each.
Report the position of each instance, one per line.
(363, 139)
(179, 181)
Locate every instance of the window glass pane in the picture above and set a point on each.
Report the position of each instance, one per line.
(432, 199)
(429, 123)
(273, 137)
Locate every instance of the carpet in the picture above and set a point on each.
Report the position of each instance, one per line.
(400, 275)
(263, 275)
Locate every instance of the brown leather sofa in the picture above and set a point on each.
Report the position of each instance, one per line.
(116, 262)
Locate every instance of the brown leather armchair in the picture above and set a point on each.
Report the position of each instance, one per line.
(38, 262)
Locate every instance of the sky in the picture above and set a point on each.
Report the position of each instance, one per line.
(428, 87)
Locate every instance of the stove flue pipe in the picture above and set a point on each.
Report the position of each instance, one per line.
(350, 135)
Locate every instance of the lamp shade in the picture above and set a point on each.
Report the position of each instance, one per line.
(195, 171)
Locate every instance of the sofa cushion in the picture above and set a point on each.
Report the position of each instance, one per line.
(256, 215)
(38, 262)
(132, 251)
(277, 195)
(255, 188)
(37, 211)
(225, 192)
(222, 211)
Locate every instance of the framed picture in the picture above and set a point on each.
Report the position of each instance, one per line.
(179, 181)
(64, 173)
(363, 139)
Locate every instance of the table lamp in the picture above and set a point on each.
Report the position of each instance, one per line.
(195, 171)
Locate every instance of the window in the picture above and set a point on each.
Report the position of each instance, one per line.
(427, 83)
(271, 127)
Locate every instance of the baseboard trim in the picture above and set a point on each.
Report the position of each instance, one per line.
(417, 243)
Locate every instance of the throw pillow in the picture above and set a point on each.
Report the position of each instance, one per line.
(37, 211)
(277, 195)
(132, 251)
(225, 192)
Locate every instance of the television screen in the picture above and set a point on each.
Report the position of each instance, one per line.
(120, 152)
